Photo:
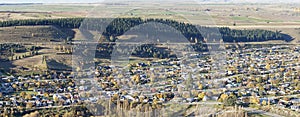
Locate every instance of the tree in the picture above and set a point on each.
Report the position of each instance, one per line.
(14, 86)
(29, 105)
(264, 102)
(136, 78)
(239, 79)
(26, 85)
(297, 86)
(44, 61)
(201, 95)
(28, 97)
(152, 78)
(115, 97)
(200, 86)
(159, 95)
(240, 94)
(254, 100)
(23, 94)
(112, 38)
(230, 100)
(188, 82)
(268, 66)
(38, 84)
(222, 97)
(259, 80)
(46, 95)
(250, 85)
(69, 114)
(55, 99)
(234, 24)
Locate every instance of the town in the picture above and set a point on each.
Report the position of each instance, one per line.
(137, 58)
(255, 76)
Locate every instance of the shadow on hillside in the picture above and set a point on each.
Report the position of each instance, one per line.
(54, 65)
(64, 33)
(287, 38)
(6, 66)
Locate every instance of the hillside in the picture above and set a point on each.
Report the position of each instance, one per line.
(111, 28)
(34, 34)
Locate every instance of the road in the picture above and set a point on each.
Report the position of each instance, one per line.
(255, 111)
(203, 103)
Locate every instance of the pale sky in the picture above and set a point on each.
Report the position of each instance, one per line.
(93, 1)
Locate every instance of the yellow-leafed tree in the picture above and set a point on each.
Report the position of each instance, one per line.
(201, 95)
(254, 100)
(136, 78)
(200, 86)
(268, 66)
(222, 97)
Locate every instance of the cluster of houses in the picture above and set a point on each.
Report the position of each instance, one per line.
(38, 91)
(268, 74)
(264, 73)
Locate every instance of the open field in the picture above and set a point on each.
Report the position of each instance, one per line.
(33, 34)
(203, 14)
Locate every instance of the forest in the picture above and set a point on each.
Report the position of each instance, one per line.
(112, 28)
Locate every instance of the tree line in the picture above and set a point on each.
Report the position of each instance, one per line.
(9, 50)
(112, 28)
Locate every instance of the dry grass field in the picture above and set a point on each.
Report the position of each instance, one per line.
(32, 34)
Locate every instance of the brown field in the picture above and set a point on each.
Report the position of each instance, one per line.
(32, 34)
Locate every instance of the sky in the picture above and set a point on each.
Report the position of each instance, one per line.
(93, 1)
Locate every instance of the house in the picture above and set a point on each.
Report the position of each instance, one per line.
(206, 98)
(82, 88)
(22, 78)
(295, 108)
(190, 100)
(272, 101)
(38, 103)
(295, 101)
(50, 103)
